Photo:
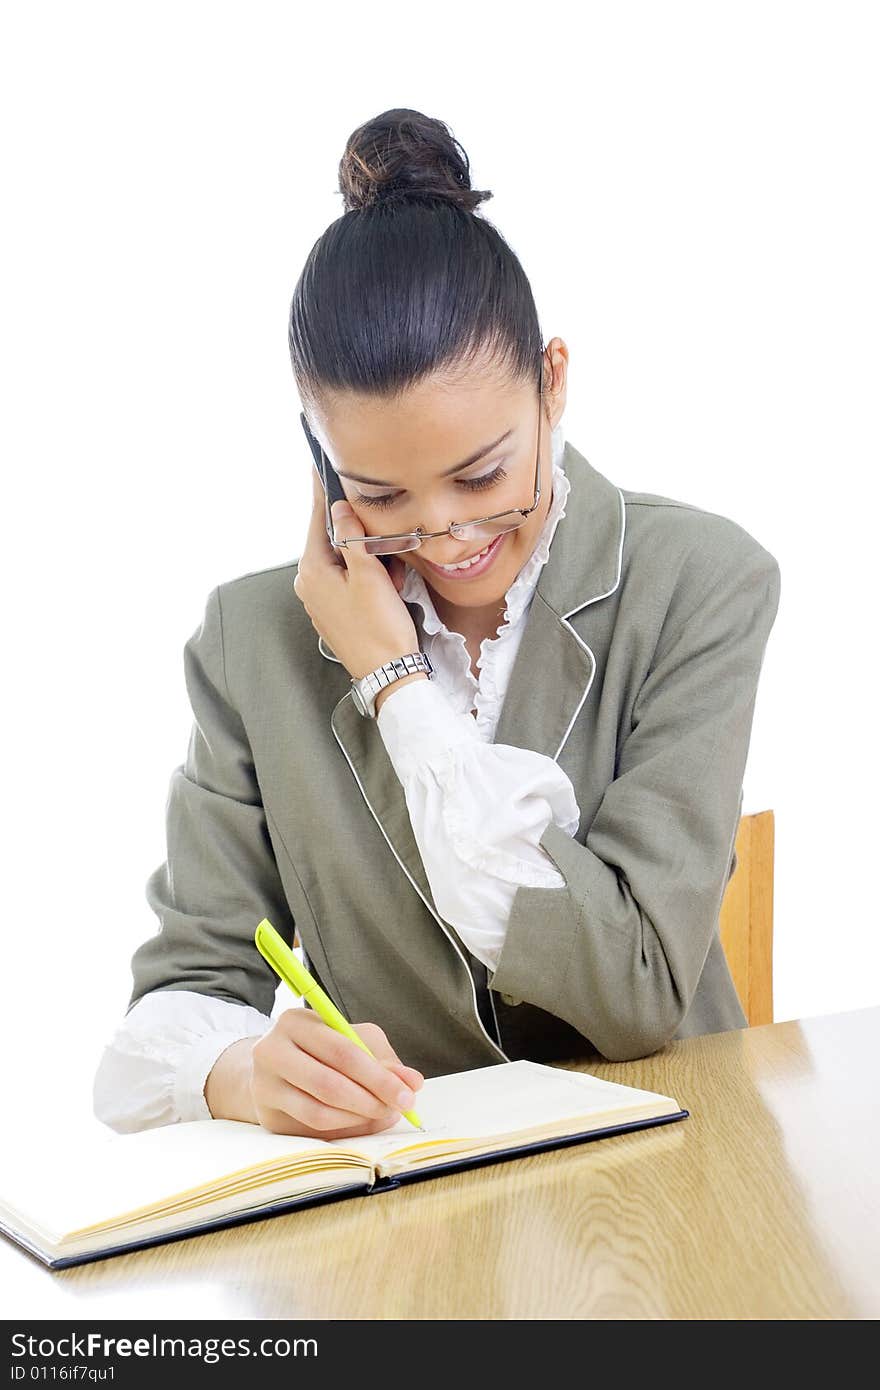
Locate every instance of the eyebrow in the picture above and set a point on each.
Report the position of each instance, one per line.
(456, 468)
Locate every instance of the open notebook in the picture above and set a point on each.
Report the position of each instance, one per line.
(156, 1185)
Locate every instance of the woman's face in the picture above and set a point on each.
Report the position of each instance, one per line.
(447, 451)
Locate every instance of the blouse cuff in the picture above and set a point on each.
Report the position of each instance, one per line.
(418, 722)
(492, 800)
(193, 1071)
(154, 1069)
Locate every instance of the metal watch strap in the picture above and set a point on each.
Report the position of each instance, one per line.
(366, 688)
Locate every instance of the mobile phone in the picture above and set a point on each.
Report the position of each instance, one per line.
(332, 486)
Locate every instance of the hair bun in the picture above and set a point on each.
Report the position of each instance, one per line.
(405, 156)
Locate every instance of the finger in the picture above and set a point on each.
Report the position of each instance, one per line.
(408, 1075)
(317, 489)
(381, 1048)
(317, 549)
(308, 1110)
(397, 570)
(317, 485)
(377, 1041)
(346, 526)
(335, 1089)
(336, 1051)
(374, 1036)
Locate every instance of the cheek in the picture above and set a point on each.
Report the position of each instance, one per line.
(519, 548)
(527, 536)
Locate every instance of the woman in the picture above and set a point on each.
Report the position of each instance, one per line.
(515, 843)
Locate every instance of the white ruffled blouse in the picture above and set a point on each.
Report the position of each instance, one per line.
(478, 810)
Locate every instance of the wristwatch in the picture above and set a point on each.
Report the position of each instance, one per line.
(365, 689)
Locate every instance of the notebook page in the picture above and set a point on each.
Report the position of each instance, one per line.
(62, 1182)
(502, 1099)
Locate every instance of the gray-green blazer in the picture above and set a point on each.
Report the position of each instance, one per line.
(637, 671)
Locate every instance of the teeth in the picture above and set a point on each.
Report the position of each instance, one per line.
(466, 564)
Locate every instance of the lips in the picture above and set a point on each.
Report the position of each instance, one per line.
(471, 571)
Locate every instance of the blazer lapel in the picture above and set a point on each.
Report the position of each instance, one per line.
(552, 673)
(550, 676)
(554, 666)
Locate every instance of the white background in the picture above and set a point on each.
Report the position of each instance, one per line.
(692, 191)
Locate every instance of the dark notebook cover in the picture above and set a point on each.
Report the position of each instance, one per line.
(340, 1193)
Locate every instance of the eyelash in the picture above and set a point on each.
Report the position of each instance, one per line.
(472, 484)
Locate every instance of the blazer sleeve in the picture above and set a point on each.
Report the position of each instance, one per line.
(619, 953)
(220, 877)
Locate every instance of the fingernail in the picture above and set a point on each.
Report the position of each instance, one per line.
(404, 1099)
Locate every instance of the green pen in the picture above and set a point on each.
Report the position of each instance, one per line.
(294, 974)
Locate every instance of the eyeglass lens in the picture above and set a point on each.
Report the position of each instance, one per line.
(465, 531)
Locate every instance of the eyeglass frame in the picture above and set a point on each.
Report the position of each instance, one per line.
(318, 453)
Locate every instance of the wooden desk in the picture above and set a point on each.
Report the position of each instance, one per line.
(765, 1203)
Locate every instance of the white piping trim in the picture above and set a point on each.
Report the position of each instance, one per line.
(326, 653)
(565, 617)
(491, 994)
(425, 901)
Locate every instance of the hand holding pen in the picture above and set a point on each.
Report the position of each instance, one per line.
(312, 1077)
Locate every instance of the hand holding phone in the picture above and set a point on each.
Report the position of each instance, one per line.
(350, 596)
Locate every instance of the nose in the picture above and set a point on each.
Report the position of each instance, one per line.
(441, 549)
(448, 549)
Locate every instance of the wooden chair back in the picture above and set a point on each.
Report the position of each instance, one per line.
(746, 921)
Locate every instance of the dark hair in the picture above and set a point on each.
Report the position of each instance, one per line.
(409, 281)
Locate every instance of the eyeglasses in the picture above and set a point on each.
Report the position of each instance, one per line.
(485, 528)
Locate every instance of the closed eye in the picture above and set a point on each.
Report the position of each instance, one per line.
(472, 484)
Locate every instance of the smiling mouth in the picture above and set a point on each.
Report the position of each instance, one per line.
(462, 564)
(469, 561)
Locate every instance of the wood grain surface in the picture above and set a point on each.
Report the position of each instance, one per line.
(765, 1203)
